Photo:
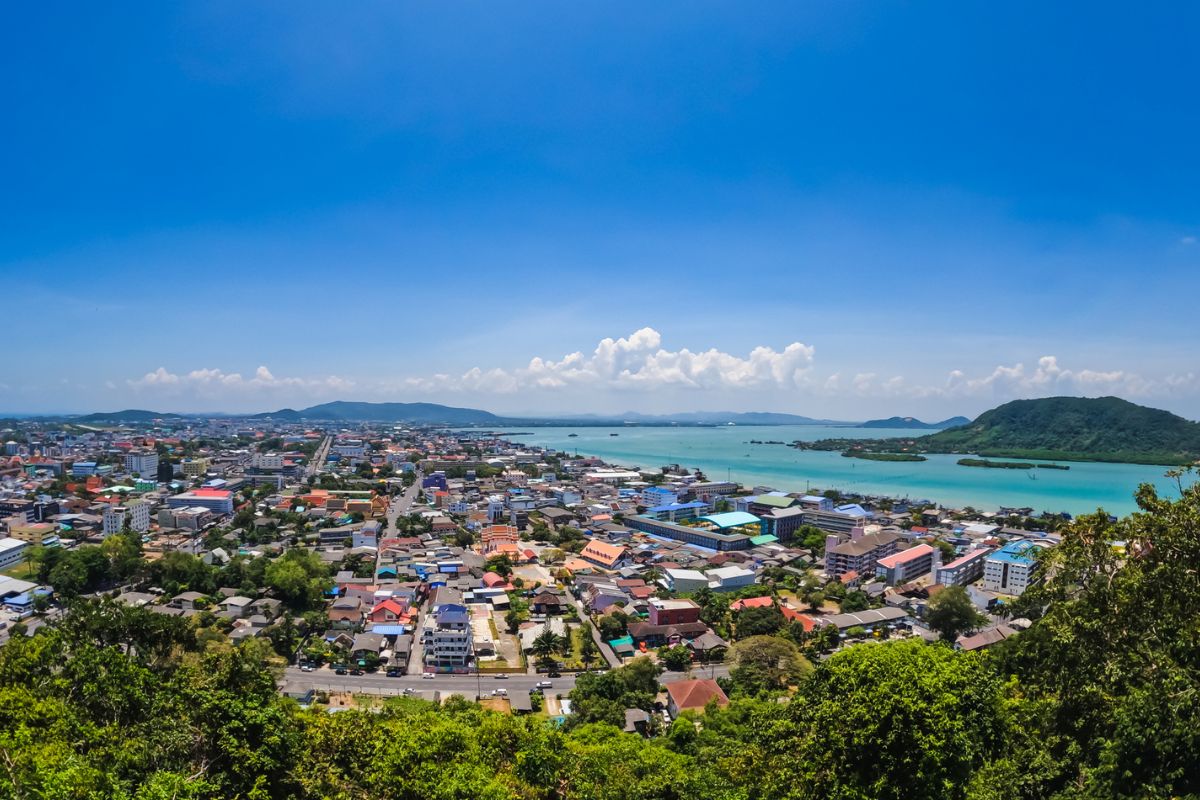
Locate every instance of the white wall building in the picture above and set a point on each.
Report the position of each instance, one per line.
(12, 551)
(138, 513)
(144, 464)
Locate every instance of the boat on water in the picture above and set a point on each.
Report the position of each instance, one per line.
(614, 434)
(572, 435)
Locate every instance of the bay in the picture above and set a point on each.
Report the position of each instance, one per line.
(725, 452)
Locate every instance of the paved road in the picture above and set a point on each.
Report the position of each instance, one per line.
(325, 679)
(296, 680)
(400, 506)
(318, 460)
(606, 652)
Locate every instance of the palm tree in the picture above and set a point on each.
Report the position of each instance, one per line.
(545, 645)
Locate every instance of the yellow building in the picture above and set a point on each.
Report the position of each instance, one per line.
(194, 467)
(34, 532)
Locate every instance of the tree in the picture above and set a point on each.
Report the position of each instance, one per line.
(767, 663)
(588, 652)
(855, 601)
(545, 645)
(299, 578)
(951, 613)
(604, 696)
(758, 621)
(811, 538)
(1108, 674)
(891, 721)
(501, 565)
(612, 625)
(676, 659)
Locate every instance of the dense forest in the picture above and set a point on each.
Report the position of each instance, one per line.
(1098, 698)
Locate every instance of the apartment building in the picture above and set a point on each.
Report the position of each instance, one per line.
(964, 569)
(1009, 570)
(907, 564)
(144, 463)
(446, 631)
(137, 512)
(859, 553)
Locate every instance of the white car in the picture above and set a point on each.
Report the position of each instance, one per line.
(545, 685)
(426, 676)
(500, 692)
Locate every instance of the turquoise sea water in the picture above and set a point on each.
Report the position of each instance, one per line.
(723, 452)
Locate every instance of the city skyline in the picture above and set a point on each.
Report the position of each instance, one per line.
(830, 211)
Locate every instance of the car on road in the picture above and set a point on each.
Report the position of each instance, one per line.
(554, 674)
(500, 692)
(501, 676)
(395, 672)
(426, 676)
(306, 667)
(356, 671)
(339, 669)
(545, 684)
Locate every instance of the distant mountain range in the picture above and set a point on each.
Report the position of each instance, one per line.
(128, 415)
(436, 414)
(914, 423)
(429, 413)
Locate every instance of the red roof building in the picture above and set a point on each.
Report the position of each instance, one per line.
(693, 695)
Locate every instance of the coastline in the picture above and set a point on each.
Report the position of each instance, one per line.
(725, 453)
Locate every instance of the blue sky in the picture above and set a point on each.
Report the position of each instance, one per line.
(834, 209)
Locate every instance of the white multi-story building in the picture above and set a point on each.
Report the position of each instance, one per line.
(965, 569)
(267, 461)
(1009, 570)
(350, 448)
(12, 551)
(446, 632)
(144, 463)
(137, 512)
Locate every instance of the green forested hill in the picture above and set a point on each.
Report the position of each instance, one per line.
(1092, 429)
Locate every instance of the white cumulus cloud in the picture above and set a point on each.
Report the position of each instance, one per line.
(209, 382)
(637, 361)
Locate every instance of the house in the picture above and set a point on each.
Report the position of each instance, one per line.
(237, 605)
(670, 635)
(752, 602)
(189, 601)
(366, 644)
(547, 603)
(712, 646)
(389, 610)
(637, 721)
(983, 639)
(346, 609)
(693, 695)
(603, 554)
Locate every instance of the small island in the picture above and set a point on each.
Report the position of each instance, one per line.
(869, 456)
(987, 464)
